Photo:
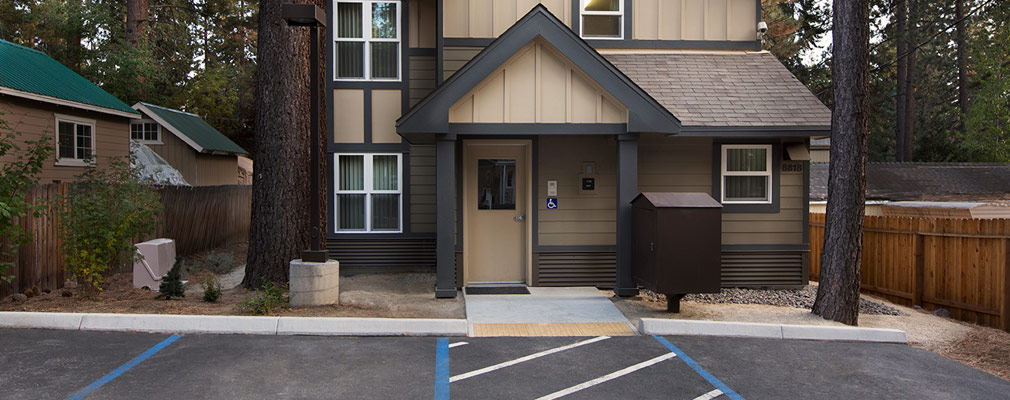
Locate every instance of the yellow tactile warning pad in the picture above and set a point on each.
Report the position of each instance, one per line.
(554, 329)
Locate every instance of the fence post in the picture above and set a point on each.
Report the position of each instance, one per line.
(920, 269)
(1005, 309)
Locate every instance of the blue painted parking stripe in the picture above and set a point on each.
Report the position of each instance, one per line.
(442, 369)
(122, 368)
(701, 371)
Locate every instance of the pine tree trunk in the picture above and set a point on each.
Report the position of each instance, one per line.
(911, 41)
(280, 197)
(838, 292)
(900, 103)
(962, 63)
(136, 20)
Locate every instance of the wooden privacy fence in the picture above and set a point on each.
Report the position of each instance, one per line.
(961, 265)
(197, 218)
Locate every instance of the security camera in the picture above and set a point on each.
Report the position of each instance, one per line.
(762, 27)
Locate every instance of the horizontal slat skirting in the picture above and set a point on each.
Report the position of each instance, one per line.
(417, 253)
(574, 268)
(762, 269)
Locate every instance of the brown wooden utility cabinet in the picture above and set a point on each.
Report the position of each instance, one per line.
(676, 244)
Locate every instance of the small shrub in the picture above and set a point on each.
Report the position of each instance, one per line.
(211, 288)
(269, 298)
(171, 284)
(218, 263)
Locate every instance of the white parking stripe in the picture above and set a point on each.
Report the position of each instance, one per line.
(451, 345)
(607, 377)
(524, 359)
(710, 395)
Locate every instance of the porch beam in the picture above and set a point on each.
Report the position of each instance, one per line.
(627, 189)
(445, 203)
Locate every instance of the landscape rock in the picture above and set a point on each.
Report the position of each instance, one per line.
(66, 293)
(19, 298)
(798, 298)
(36, 292)
(28, 293)
(941, 312)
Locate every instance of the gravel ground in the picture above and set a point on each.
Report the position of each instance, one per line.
(800, 298)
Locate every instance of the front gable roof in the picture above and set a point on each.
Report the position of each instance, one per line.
(645, 114)
(31, 74)
(190, 128)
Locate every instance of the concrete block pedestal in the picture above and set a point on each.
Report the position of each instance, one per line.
(314, 284)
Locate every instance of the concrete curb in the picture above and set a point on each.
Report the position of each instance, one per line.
(658, 326)
(233, 324)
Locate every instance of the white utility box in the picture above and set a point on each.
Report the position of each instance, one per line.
(158, 258)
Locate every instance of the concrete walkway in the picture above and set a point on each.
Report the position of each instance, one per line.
(583, 311)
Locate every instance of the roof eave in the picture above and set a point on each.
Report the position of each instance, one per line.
(63, 102)
(142, 107)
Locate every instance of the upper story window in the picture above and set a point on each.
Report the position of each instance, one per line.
(747, 174)
(75, 140)
(602, 19)
(145, 132)
(367, 40)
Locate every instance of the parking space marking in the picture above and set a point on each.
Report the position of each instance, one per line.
(442, 369)
(607, 377)
(701, 371)
(122, 368)
(457, 344)
(498, 366)
(710, 395)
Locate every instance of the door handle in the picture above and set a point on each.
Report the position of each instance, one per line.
(520, 218)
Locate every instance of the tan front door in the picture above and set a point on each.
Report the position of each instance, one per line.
(496, 197)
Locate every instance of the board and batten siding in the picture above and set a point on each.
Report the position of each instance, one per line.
(717, 20)
(34, 119)
(216, 169)
(422, 188)
(488, 19)
(349, 115)
(421, 23)
(537, 85)
(583, 218)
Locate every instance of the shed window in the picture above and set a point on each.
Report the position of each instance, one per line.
(145, 131)
(747, 174)
(602, 19)
(368, 192)
(367, 40)
(75, 140)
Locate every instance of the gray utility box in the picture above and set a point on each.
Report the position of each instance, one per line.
(676, 244)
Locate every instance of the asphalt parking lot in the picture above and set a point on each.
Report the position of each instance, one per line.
(106, 365)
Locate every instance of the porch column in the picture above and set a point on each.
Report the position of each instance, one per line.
(445, 211)
(627, 189)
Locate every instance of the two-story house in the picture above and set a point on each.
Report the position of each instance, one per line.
(503, 141)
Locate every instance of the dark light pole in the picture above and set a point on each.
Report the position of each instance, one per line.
(314, 17)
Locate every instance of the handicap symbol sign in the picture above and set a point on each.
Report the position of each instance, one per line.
(552, 203)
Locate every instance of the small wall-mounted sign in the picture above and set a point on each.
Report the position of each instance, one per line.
(552, 188)
(552, 203)
(792, 166)
(588, 183)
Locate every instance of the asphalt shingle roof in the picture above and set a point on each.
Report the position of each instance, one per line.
(32, 71)
(196, 129)
(896, 181)
(711, 90)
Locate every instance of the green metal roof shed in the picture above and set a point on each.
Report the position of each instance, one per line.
(31, 74)
(192, 129)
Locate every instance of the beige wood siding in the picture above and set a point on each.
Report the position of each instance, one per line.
(178, 154)
(537, 85)
(820, 155)
(349, 115)
(783, 227)
(385, 111)
(422, 189)
(489, 18)
(582, 217)
(34, 119)
(422, 22)
(695, 20)
(216, 170)
(454, 58)
(422, 77)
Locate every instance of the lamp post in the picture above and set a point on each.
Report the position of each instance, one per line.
(314, 17)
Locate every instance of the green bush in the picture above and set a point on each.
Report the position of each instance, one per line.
(211, 288)
(17, 175)
(269, 298)
(171, 285)
(218, 263)
(101, 216)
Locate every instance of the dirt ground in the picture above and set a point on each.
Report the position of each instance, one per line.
(979, 347)
(408, 295)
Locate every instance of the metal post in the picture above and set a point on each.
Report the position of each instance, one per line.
(316, 252)
(445, 203)
(627, 189)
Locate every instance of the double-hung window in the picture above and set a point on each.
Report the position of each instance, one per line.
(602, 19)
(367, 40)
(145, 132)
(368, 192)
(747, 174)
(75, 140)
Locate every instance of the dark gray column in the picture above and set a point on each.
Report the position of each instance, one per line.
(627, 189)
(445, 210)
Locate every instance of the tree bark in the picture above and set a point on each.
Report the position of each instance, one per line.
(900, 103)
(838, 292)
(136, 20)
(279, 228)
(910, 42)
(962, 63)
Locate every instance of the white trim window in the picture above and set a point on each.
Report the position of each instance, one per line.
(368, 195)
(746, 174)
(145, 131)
(366, 40)
(602, 19)
(75, 140)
